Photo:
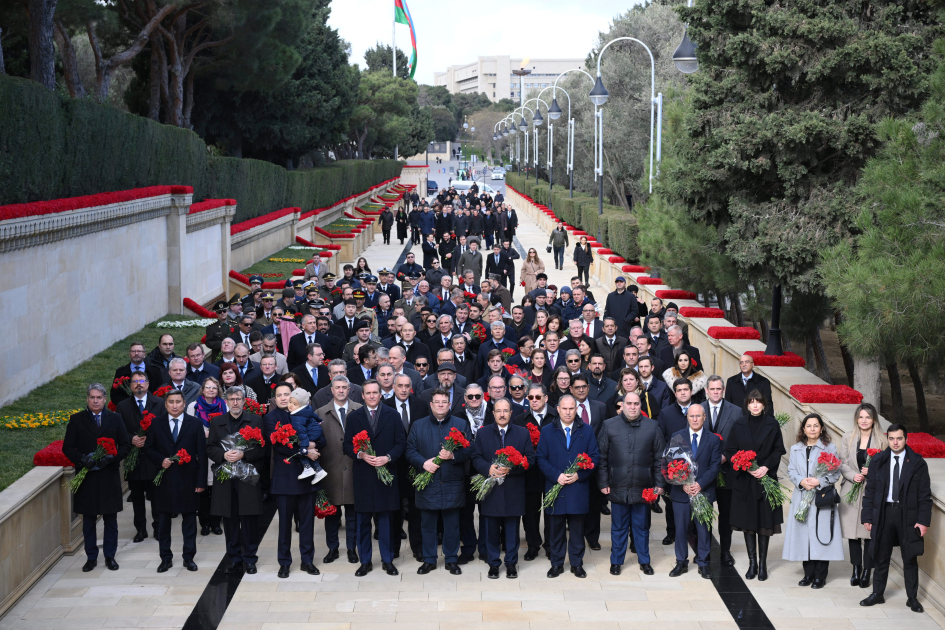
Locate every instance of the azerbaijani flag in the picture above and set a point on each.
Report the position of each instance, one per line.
(402, 15)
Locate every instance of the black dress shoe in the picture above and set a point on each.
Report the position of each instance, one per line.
(818, 583)
(283, 572)
(205, 531)
(914, 605)
(669, 540)
(579, 571)
(728, 559)
(139, 537)
(633, 547)
(353, 556)
(251, 568)
(418, 557)
(454, 568)
(190, 565)
(403, 534)
(165, 565)
(110, 564)
(89, 565)
(389, 568)
(705, 572)
(311, 569)
(555, 571)
(647, 569)
(465, 558)
(806, 581)
(679, 569)
(873, 599)
(511, 571)
(234, 567)
(331, 556)
(605, 510)
(595, 546)
(425, 568)
(217, 531)
(364, 569)
(655, 508)
(493, 573)
(531, 554)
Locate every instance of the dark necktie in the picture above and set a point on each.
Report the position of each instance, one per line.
(403, 414)
(98, 422)
(374, 420)
(895, 481)
(174, 430)
(695, 445)
(715, 416)
(141, 406)
(342, 412)
(502, 435)
(584, 417)
(311, 338)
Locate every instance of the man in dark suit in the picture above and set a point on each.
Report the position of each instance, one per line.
(100, 491)
(365, 367)
(511, 222)
(721, 415)
(897, 509)
(592, 327)
(656, 394)
(298, 344)
(743, 383)
(446, 378)
(644, 347)
(553, 350)
(672, 420)
(140, 478)
(137, 365)
(198, 370)
(263, 381)
(371, 495)
(707, 455)
(387, 285)
(348, 321)
(444, 336)
(540, 414)
(413, 348)
(177, 379)
(312, 375)
(654, 330)
(498, 264)
(242, 330)
(609, 345)
(592, 413)
(181, 484)
(602, 388)
(668, 353)
(498, 342)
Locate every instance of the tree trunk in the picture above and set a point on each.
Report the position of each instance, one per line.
(188, 100)
(844, 353)
(737, 307)
(154, 99)
(70, 67)
(42, 52)
(809, 354)
(3, 69)
(895, 384)
(764, 329)
(867, 379)
(821, 356)
(921, 408)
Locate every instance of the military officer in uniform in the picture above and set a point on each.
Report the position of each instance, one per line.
(218, 331)
(363, 312)
(325, 291)
(234, 310)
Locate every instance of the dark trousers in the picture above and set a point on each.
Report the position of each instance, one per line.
(188, 529)
(816, 569)
(670, 517)
(333, 523)
(495, 527)
(559, 257)
(623, 518)
(582, 273)
(304, 506)
(203, 514)
(684, 523)
(414, 527)
(366, 542)
(386, 236)
(109, 539)
(723, 498)
(415, 235)
(592, 518)
(890, 536)
(574, 537)
(240, 533)
(140, 496)
(490, 239)
(467, 525)
(428, 528)
(531, 522)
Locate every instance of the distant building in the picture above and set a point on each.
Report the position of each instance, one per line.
(493, 76)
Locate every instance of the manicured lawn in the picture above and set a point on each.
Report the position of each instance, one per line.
(67, 392)
(285, 268)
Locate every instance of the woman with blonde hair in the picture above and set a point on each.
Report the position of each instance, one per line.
(629, 382)
(855, 445)
(531, 267)
(683, 368)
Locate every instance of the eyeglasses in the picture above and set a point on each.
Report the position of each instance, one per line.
(574, 360)
(516, 387)
(423, 365)
(579, 387)
(534, 397)
(473, 396)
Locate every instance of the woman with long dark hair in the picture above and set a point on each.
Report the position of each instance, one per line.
(683, 368)
(402, 224)
(362, 266)
(560, 385)
(230, 375)
(583, 258)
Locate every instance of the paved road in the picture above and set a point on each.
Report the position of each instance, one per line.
(443, 178)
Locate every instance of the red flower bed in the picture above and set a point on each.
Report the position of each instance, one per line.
(695, 311)
(788, 359)
(675, 294)
(646, 280)
(209, 204)
(615, 259)
(266, 218)
(634, 269)
(836, 394)
(733, 332)
(927, 445)
(325, 255)
(605, 251)
(52, 455)
(199, 310)
(245, 280)
(298, 272)
(328, 234)
(37, 208)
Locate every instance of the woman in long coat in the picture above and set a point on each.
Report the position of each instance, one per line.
(583, 259)
(531, 267)
(816, 540)
(751, 512)
(402, 224)
(866, 435)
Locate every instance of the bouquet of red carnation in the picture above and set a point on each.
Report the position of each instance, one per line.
(826, 463)
(363, 443)
(182, 457)
(854, 492)
(469, 297)
(650, 495)
(123, 383)
(103, 447)
(581, 462)
(242, 440)
(479, 332)
(507, 457)
(680, 469)
(534, 433)
(162, 391)
(111, 406)
(131, 462)
(508, 353)
(323, 506)
(745, 460)
(454, 440)
(254, 407)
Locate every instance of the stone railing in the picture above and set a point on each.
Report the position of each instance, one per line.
(720, 356)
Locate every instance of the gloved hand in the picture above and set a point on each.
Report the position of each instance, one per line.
(108, 459)
(89, 462)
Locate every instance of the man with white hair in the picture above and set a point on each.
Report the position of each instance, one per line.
(398, 357)
(269, 348)
(177, 378)
(411, 346)
(227, 350)
(498, 342)
(668, 353)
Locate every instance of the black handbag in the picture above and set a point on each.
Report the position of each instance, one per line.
(826, 497)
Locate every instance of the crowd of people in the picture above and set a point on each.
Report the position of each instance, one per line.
(430, 372)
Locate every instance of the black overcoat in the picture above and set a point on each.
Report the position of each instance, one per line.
(131, 416)
(250, 496)
(177, 491)
(285, 477)
(100, 493)
(915, 499)
(370, 494)
(750, 508)
(507, 499)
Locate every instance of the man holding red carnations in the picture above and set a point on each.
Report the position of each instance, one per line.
(100, 490)
(183, 479)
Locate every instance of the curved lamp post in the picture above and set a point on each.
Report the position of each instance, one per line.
(554, 112)
(685, 55)
(537, 119)
(522, 126)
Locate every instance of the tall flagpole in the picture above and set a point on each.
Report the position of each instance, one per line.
(393, 54)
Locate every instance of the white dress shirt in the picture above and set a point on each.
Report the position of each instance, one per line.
(180, 424)
(892, 468)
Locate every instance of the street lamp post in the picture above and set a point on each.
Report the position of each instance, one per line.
(555, 111)
(537, 119)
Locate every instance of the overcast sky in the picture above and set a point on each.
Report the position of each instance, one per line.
(451, 33)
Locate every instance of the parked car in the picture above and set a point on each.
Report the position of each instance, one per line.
(432, 187)
(498, 173)
(507, 167)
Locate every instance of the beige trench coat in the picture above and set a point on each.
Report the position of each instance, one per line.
(528, 273)
(339, 484)
(850, 526)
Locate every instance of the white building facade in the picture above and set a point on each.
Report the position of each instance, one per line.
(494, 76)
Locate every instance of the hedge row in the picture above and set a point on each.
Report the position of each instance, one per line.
(53, 146)
(618, 228)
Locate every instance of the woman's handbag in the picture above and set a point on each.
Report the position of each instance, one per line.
(548, 249)
(826, 497)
